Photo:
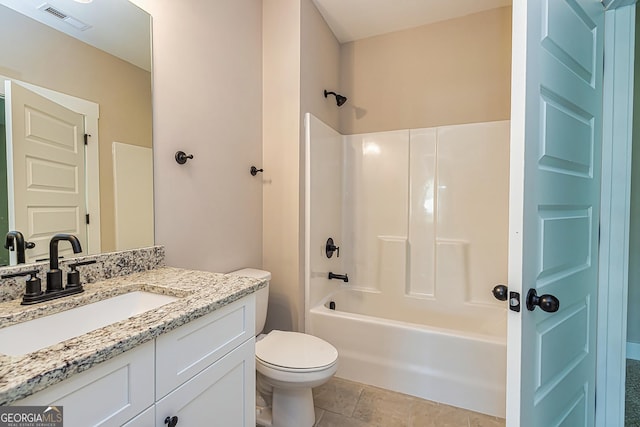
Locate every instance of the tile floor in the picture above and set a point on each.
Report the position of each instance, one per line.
(342, 403)
(632, 394)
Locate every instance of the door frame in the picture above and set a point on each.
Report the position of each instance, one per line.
(615, 211)
(91, 112)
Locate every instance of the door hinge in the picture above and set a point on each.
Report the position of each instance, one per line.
(86, 138)
(87, 219)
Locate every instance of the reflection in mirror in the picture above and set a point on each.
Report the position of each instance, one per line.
(95, 66)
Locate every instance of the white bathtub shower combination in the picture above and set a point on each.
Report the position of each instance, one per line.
(420, 217)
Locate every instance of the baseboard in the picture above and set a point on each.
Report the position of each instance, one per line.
(633, 350)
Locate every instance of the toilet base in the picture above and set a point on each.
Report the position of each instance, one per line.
(293, 407)
(264, 417)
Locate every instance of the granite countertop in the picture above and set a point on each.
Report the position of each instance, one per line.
(200, 293)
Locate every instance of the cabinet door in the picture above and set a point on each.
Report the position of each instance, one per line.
(145, 419)
(221, 395)
(108, 394)
(187, 350)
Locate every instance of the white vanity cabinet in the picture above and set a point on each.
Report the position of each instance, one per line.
(205, 370)
(221, 395)
(109, 393)
(202, 372)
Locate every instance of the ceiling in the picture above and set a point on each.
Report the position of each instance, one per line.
(121, 28)
(115, 26)
(357, 19)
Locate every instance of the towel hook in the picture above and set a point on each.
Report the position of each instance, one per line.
(182, 157)
(254, 170)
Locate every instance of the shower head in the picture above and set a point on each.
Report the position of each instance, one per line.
(340, 100)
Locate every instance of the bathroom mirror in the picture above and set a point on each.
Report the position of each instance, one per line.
(93, 58)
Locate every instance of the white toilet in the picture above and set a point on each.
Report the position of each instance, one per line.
(288, 365)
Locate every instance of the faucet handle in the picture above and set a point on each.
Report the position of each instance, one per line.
(330, 248)
(81, 263)
(33, 285)
(21, 273)
(73, 276)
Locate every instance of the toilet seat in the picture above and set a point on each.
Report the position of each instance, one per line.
(295, 352)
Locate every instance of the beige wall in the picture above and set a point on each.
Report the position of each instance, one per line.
(207, 100)
(319, 66)
(36, 54)
(281, 129)
(300, 60)
(319, 70)
(455, 71)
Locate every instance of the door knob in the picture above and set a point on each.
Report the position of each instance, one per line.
(546, 302)
(500, 292)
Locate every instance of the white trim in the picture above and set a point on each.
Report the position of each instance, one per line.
(307, 218)
(519, 39)
(633, 350)
(615, 213)
(91, 112)
(614, 4)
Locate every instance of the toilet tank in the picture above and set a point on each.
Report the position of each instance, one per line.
(262, 295)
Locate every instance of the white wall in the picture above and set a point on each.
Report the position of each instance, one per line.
(324, 208)
(207, 100)
(633, 311)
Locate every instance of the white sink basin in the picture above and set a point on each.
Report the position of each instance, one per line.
(26, 337)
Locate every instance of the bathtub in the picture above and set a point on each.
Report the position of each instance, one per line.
(453, 358)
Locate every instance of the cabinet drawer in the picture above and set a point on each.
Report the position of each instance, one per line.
(109, 393)
(185, 351)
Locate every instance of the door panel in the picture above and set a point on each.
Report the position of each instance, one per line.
(554, 233)
(45, 148)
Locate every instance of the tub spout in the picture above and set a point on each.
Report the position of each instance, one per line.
(342, 277)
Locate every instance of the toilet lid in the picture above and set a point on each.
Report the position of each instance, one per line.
(295, 350)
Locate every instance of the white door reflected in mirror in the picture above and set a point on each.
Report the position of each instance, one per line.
(45, 170)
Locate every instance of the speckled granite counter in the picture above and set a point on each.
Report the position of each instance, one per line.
(200, 293)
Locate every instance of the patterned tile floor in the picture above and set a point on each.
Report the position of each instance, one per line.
(342, 403)
(632, 394)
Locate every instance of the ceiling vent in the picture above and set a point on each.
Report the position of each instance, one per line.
(75, 23)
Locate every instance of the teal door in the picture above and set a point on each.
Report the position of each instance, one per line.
(554, 211)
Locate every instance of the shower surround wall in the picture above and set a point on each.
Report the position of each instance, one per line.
(421, 218)
(421, 214)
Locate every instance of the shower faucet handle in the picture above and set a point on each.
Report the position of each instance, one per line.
(330, 248)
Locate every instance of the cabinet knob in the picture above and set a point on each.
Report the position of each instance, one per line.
(171, 421)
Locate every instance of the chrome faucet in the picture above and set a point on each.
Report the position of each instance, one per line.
(54, 275)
